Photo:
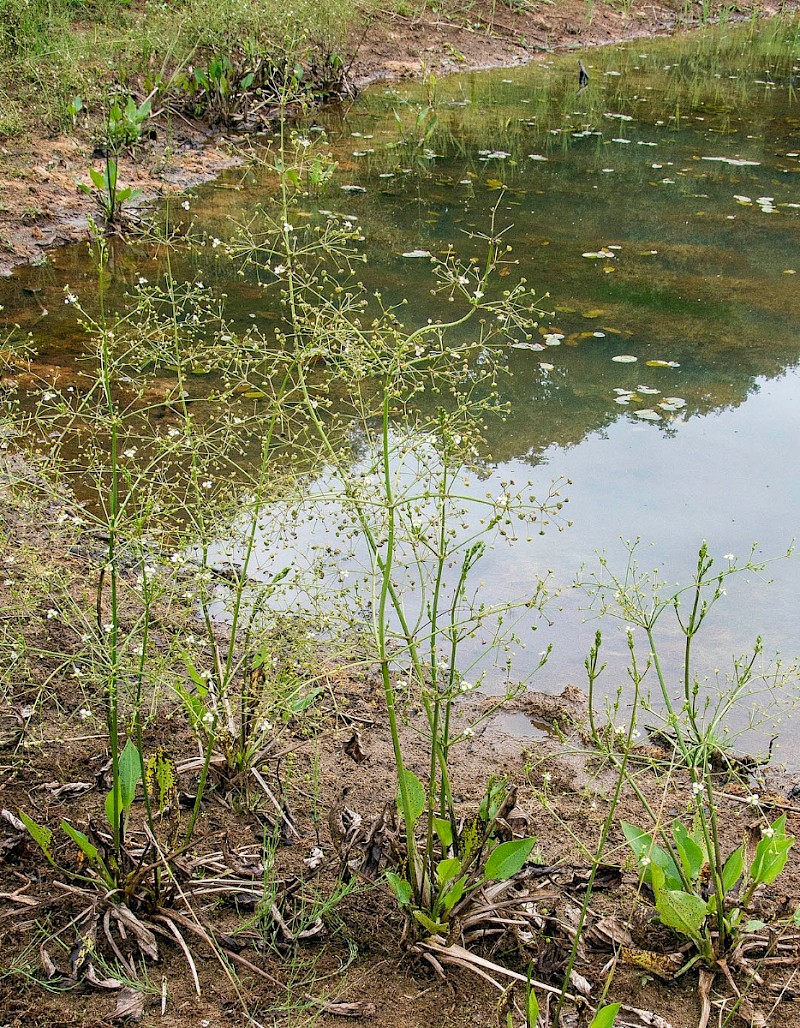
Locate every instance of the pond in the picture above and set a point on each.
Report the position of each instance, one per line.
(657, 211)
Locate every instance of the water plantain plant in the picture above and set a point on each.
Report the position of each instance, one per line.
(397, 460)
(471, 857)
(106, 191)
(680, 878)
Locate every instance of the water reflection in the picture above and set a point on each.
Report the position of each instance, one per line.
(679, 167)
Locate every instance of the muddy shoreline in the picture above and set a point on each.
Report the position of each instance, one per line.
(43, 208)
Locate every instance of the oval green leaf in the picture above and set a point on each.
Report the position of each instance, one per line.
(507, 858)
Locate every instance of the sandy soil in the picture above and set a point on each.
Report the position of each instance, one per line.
(41, 206)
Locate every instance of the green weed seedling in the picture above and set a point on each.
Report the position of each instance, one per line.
(107, 192)
(117, 807)
(124, 124)
(472, 858)
(677, 876)
(605, 1017)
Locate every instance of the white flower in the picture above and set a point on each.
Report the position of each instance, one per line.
(753, 800)
(697, 788)
(279, 269)
(142, 280)
(70, 298)
(52, 613)
(185, 205)
(768, 832)
(645, 861)
(466, 686)
(215, 243)
(207, 484)
(208, 719)
(468, 732)
(84, 713)
(546, 777)
(287, 227)
(130, 452)
(76, 671)
(729, 556)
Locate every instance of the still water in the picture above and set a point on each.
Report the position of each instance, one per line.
(658, 213)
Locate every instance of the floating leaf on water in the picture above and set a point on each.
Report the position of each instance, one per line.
(619, 117)
(599, 335)
(602, 254)
(608, 269)
(662, 364)
(620, 140)
(648, 415)
(537, 157)
(745, 201)
(647, 390)
(255, 394)
(353, 189)
(735, 161)
(672, 403)
(546, 367)
(553, 339)
(624, 358)
(417, 253)
(596, 312)
(493, 155)
(494, 183)
(624, 400)
(527, 346)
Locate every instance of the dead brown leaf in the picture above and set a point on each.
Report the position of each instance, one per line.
(610, 931)
(357, 1009)
(130, 1005)
(354, 747)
